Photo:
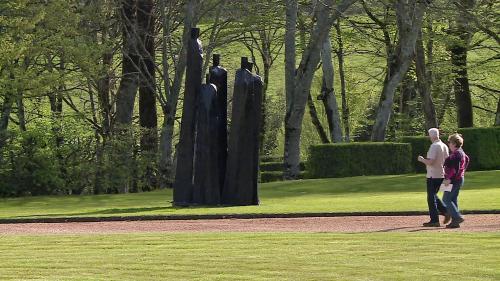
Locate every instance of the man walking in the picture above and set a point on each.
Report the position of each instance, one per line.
(438, 151)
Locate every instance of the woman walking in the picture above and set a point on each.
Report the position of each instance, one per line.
(454, 167)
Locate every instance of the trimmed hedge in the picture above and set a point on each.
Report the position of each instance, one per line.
(271, 158)
(271, 169)
(356, 159)
(276, 166)
(481, 144)
(483, 147)
(419, 146)
(271, 166)
(270, 176)
(278, 176)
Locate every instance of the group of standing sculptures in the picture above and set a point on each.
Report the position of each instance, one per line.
(212, 167)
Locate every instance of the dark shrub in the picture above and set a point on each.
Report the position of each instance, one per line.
(355, 159)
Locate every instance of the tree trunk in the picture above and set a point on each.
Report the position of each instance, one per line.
(147, 90)
(56, 108)
(290, 56)
(267, 61)
(170, 109)
(430, 53)
(100, 175)
(20, 110)
(328, 93)
(123, 151)
(165, 148)
(444, 106)
(462, 33)
(290, 156)
(106, 112)
(302, 83)
(103, 89)
(315, 120)
(343, 87)
(406, 109)
(130, 62)
(424, 85)
(4, 117)
(409, 19)
(6, 109)
(461, 88)
(313, 113)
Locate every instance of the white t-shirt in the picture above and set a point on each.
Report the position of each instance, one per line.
(438, 151)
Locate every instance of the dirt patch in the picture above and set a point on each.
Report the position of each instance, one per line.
(347, 224)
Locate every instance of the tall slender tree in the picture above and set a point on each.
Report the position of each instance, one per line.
(424, 87)
(172, 88)
(461, 31)
(130, 61)
(343, 86)
(326, 16)
(147, 88)
(409, 16)
(328, 93)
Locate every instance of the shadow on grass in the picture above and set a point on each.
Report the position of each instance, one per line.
(122, 212)
(104, 212)
(408, 229)
(368, 184)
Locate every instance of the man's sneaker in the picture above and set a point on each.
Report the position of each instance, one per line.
(431, 224)
(447, 218)
(459, 220)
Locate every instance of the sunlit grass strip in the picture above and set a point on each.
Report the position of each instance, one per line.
(357, 194)
(376, 256)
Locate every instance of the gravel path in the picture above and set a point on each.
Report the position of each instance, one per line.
(347, 224)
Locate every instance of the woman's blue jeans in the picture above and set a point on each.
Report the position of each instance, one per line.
(450, 199)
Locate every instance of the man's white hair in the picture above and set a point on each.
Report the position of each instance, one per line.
(434, 132)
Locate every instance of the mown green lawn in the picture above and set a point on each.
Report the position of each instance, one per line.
(252, 256)
(372, 193)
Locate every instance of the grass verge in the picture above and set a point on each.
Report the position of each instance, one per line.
(253, 256)
(357, 194)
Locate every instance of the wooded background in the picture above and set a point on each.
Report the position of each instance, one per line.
(91, 90)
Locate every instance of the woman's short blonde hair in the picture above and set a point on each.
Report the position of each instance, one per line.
(456, 139)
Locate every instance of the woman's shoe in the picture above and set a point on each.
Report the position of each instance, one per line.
(455, 222)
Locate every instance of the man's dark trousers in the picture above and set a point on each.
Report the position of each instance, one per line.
(435, 204)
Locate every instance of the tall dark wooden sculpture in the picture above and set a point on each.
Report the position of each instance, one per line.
(207, 184)
(218, 77)
(240, 187)
(183, 183)
(254, 123)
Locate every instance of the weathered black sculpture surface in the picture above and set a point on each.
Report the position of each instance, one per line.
(218, 77)
(240, 187)
(207, 185)
(254, 124)
(210, 169)
(183, 184)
